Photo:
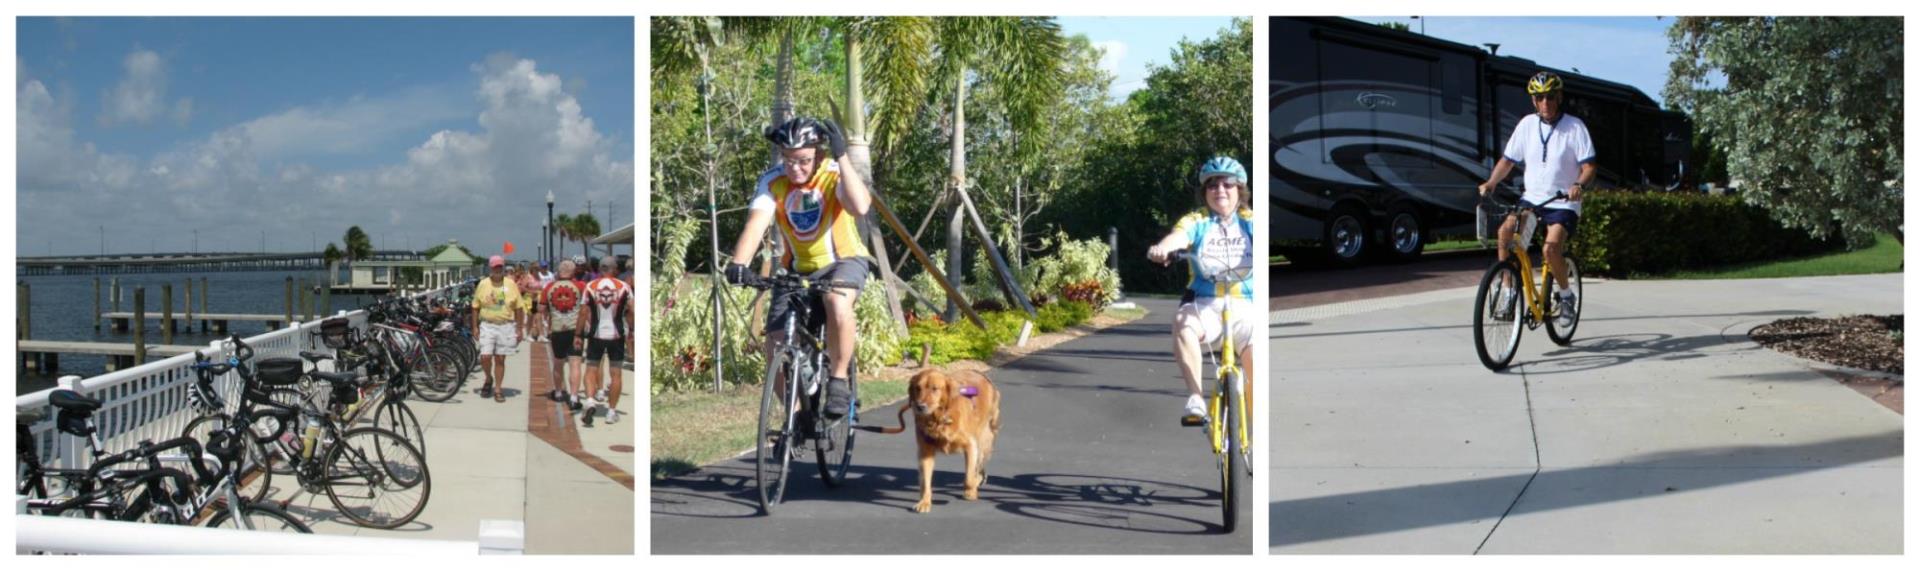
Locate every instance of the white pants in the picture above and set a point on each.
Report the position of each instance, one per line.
(1203, 318)
(497, 338)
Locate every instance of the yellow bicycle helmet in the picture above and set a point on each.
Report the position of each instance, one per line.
(1543, 83)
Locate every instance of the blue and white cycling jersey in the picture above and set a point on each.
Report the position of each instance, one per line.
(1218, 246)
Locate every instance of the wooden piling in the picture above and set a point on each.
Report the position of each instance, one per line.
(114, 295)
(189, 304)
(139, 326)
(166, 314)
(203, 302)
(289, 299)
(96, 303)
(26, 311)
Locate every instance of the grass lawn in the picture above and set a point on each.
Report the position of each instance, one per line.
(1451, 245)
(1884, 256)
(700, 427)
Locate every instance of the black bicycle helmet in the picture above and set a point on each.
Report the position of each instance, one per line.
(797, 133)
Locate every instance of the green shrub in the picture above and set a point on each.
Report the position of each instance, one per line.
(682, 336)
(1625, 233)
(1074, 262)
(1060, 315)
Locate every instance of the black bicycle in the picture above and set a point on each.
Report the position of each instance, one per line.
(793, 393)
(103, 490)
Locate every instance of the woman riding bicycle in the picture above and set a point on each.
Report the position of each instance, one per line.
(1220, 236)
(817, 210)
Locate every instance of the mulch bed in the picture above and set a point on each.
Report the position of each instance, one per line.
(1860, 342)
(1869, 342)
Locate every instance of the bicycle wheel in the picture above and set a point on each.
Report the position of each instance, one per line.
(445, 380)
(1563, 336)
(258, 517)
(1496, 333)
(834, 451)
(376, 478)
(396, 416)
(1233, 467)
(771, 458)
(255, 473)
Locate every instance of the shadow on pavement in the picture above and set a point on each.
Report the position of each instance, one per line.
(727, 490)
(1413, 507)
(1469, 325)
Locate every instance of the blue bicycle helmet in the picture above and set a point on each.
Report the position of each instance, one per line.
(1223, 166)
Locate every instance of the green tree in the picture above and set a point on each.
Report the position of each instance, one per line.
(332, 254)
(1808, 110)
(359, 246)
(584, 227)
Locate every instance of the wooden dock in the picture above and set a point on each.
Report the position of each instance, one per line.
(44, 356)
(217, 321)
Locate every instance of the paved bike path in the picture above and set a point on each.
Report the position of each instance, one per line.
(1090, 459)
(1663, 429)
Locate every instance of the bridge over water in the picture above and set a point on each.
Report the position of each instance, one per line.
(186, 262)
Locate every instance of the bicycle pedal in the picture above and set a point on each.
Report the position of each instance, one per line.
(1193, 421)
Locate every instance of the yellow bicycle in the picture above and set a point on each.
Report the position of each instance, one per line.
(1499, 312)
(1228, 399)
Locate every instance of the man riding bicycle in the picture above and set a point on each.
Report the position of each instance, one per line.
(817, 211)
(1562, 156)
(1220, 234)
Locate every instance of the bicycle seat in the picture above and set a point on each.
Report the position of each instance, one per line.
(315, 357)
(334, 378)
(73, 402)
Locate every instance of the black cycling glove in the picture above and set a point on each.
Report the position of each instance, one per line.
(738, 274)
(836, 140)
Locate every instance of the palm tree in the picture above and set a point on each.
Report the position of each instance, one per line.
(359, 246)
(585, 227)
(563, 231)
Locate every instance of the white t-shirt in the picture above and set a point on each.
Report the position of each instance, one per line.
(1552, 154)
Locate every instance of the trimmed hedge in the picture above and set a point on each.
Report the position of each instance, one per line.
(1628, 233)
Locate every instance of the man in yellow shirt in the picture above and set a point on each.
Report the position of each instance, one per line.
(816, 209)
(496, 308)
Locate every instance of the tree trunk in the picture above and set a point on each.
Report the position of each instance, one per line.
(782, 88)
(957, 178)
(861, 153)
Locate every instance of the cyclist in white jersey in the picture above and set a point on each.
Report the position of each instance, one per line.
(1558, 153)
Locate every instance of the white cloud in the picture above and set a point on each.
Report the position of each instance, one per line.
(351, 126)
(1112, 53)
(141, 95)
(480, 186)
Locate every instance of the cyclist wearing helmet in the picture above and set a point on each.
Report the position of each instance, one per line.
(1220, 236)
(817, 211)
(1559, 156)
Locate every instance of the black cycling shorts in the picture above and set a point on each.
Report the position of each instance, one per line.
(850, 270)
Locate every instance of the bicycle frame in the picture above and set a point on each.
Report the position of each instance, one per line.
(1533, 292)
(1228, 368)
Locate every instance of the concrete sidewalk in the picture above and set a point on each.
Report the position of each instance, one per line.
(487, 462)
(1663, 429)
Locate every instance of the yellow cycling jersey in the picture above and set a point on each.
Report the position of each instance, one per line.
(816, 228)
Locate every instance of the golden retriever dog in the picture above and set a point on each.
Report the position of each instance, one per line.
(952, 413)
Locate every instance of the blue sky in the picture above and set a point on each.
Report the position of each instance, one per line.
(1132, 42)
(423, 128)
(1630, 50)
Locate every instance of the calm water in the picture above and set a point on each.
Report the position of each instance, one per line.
(62, 308)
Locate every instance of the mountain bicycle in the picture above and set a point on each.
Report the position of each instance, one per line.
(1228, 423)
(373, 476)
(793, 393)
(1500, 312)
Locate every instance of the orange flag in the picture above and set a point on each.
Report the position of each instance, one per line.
(508, 247)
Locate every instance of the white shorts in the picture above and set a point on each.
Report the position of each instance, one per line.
(497, 339)
(1202, 316)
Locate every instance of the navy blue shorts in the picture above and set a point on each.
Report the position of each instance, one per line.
(1562, 216)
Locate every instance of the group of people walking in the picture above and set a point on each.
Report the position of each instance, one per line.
(584, 316)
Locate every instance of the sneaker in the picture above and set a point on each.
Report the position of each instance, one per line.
(613, 416)
(586, 420)
(1509, 297)
(1196, 407)
(838, 401)
(1566, 311)
(573, 402)
(556, 394)
(600, 395)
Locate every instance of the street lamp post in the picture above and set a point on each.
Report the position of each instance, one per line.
(547, 231)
